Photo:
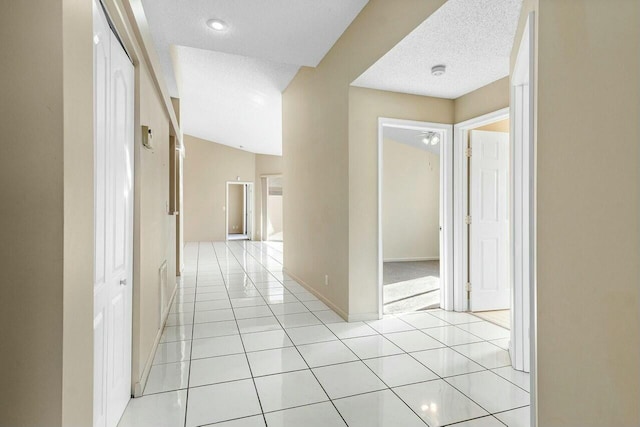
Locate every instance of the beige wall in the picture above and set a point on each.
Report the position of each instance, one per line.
(486, 99)
(235, 209)
(500, 126)
(207, 168)
(410, 203)
(47, 188)
(365, 106)
(154, 242)
(47, 120)
(77, 307)
(588, 328)
(317, 152)
(274, 222)
(32, 187)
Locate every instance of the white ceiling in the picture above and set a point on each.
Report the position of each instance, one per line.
(232, 100)
(216, 75)
(473, 38)
(410, 137)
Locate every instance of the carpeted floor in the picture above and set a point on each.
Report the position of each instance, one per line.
(411, 286)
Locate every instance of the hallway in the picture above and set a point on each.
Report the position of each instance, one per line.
(246, 346)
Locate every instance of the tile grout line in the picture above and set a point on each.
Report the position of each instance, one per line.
(309, 369)
(248, 274)
(255, 387)
(186, 405)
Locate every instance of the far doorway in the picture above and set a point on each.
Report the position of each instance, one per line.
(412, 201)
(272, 193)
(239, 211)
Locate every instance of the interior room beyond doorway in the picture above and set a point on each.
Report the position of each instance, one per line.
(239, 210)
(411, 219)
(272, 207)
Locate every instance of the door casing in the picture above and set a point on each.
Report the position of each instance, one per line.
(446, 205)
(248, 208)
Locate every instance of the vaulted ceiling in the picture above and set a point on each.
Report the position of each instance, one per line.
(230, 82)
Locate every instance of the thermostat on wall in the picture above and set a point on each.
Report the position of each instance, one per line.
(147, 137)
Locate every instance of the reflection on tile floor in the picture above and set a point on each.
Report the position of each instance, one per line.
(247, 346)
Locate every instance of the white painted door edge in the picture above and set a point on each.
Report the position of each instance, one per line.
(461, 205)
(523, 92)
(446, 206)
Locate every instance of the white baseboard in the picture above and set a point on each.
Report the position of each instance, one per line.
(138, 387)
(360, 317)
(315, 293)
(412, 259)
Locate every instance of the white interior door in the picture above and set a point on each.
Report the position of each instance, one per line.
(114, 130)
(489, 230)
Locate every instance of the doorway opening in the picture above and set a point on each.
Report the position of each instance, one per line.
(482, 173)
(414, 213)
(272, 207)
(239, 211)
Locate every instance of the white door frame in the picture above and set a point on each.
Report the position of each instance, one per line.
(446, 205)
(522, 345)
(264, 220)
(461, 203)
(248, 204)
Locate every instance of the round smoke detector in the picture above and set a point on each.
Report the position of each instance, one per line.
(438, 70)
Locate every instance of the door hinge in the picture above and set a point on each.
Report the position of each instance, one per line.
(467, 287)
(467, 219)
(467, 151)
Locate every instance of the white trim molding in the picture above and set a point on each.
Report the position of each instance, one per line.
(247, 199)
(141, 383)
(522, 346)
(446, 205)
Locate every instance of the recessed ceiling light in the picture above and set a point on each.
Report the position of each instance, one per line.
(438, 70)
(217, 24)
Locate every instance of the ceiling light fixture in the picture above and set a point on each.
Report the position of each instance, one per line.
(430, 138)
(438, 70)
(217, 24)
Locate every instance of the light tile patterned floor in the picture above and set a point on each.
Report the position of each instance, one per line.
(246, 346)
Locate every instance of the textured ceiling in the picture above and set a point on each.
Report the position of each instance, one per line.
(409, 137)
(473, 38)
(229, 83)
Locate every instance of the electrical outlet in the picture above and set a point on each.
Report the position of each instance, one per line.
(326, 280)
